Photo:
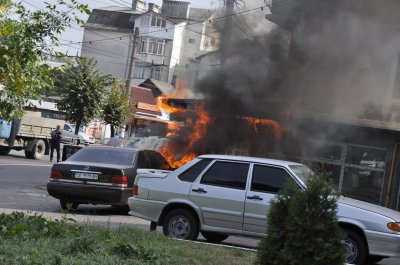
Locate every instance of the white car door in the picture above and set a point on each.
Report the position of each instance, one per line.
(220, 194)
(265, 182)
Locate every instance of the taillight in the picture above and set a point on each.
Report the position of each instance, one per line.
(118, 179)
(56, 174)
(135, 190)
(394, 226)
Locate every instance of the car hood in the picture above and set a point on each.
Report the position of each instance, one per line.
(370, 207)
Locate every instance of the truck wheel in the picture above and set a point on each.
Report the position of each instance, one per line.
(182, 224)
(356, 249)
(214, 237)
(38, 149)
(4, 150)
(28, 154)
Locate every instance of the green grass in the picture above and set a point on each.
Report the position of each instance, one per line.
(34, 240)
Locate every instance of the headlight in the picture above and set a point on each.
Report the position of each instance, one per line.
(394, 226)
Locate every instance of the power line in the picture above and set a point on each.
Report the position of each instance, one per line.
(171, 28)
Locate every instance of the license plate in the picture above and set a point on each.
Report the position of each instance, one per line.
(86, 176)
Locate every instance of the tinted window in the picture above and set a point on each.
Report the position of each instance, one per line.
(142, 161)
(157, 161)
(193, 172)
(105, 155)
(226, 174)
(268, 179)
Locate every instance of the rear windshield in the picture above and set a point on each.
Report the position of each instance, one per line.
(303, 172)
(105, 155)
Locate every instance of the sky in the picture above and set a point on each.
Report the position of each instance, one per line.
(75, 33)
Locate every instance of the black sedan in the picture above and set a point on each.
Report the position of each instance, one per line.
(100, 175)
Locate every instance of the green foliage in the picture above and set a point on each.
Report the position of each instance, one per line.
(24, 226)
(83, 91)
(118, 109)
(302, 227)
(87, 245)
(26, 38)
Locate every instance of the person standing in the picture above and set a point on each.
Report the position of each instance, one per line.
(55, 143)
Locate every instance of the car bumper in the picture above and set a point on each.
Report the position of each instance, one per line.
(383, 244)
(145, 209)
(90, 194)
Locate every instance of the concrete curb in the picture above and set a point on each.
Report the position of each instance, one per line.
(85, 219)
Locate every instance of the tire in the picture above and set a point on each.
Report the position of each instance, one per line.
(181, 224)
(214, 237)
(356, 248)
(4, 150)
(373, 259)
(38, 149)
(65, 205)
(28, 154)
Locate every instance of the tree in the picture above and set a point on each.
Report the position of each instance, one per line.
(24, 45)
(118, 109)
(302, 227)
(83, 91)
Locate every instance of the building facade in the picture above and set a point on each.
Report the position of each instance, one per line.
(168, 36)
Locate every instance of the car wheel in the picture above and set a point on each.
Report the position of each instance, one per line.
(373, 259)
(356, 249)
(65, 205)
(214, 237)
(182, 224)
(4, 150)
(38, 150)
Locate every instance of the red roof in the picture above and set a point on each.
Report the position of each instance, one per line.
(146, 102)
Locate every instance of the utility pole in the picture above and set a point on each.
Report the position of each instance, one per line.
(227, 33)
(132, 61)
(130, 70)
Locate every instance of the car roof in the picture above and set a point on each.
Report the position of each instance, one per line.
(113, 147)
(251, 159)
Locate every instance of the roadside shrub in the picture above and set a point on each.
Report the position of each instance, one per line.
(302, 227)
(20, 225)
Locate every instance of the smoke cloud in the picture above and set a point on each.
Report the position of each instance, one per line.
(332, 60)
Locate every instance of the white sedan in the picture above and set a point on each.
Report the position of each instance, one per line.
(220, 195)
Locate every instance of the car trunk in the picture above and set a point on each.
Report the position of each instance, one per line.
(100, 174)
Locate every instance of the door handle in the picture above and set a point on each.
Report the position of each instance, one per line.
(255, 197)
(199, 190)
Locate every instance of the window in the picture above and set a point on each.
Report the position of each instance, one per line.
(145, 21)
(212, 41)
(156, 73)
(157, 161)
(152, 45)
(139, 71)
(142, 161)
(192, 173)
(227, 174)
(158, 22)
(268, 179)
(192, 41)
(105, 155)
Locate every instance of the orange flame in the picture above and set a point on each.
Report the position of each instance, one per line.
(163, 104)
(175, 154)
(277, 129)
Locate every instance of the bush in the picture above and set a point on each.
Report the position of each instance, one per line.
(302, 227)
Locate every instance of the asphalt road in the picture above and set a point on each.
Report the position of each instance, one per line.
(23, 187)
